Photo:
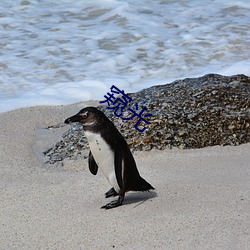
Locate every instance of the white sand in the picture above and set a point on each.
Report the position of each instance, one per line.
(201, 201)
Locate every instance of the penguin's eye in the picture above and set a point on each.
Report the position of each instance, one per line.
(84, 115)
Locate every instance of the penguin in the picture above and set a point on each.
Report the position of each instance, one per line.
(110, 152)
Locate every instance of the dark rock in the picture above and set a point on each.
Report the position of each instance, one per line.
(190, 113)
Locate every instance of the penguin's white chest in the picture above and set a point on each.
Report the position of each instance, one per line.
(104, 157)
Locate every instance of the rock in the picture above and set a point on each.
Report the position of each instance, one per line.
(190, 113)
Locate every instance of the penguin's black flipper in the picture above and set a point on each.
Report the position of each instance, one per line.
(118, 166)
(93, 167)
(111, 193)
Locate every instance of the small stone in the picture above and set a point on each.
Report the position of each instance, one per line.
(182, 132)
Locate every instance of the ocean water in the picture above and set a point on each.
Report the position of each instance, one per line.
(61, 52)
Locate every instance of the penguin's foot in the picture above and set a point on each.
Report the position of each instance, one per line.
(111, 193)
(113, 204)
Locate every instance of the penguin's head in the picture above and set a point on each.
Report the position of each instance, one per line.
(88, 117)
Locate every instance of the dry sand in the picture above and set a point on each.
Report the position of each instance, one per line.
(201, 201)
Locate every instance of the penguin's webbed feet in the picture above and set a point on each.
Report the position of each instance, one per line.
(113, 204)
(111, 193)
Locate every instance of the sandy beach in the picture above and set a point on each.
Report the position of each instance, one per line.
(201, 198)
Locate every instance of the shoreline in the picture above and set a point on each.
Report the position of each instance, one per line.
(201, 197)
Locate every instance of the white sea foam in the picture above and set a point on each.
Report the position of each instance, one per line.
(60, 52)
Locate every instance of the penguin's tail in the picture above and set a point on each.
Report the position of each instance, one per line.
(141, 185)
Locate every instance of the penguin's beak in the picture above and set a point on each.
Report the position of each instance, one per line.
(74, 118)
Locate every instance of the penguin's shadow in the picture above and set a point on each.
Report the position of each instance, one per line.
(137, 198)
